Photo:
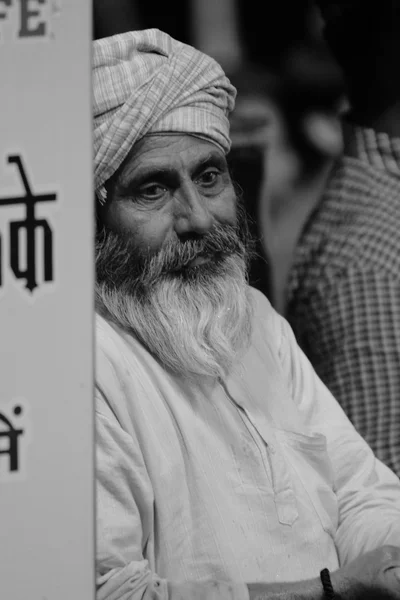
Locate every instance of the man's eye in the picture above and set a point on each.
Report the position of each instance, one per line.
(209, 178)
(153, 191)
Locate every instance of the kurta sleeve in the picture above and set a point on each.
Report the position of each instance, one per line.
(121, 570)
(368, 492)
(125, 505)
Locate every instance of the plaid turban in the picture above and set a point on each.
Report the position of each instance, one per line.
(147, 82)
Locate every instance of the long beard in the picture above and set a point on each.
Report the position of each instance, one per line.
(196, 321)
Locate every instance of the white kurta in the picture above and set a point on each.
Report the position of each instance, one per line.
(258, 478)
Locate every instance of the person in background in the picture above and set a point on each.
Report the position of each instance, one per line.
(343, 295)
(285, 134)
(225, 468)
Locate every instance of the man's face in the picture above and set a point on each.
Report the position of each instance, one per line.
(171, 256)
(171, 187)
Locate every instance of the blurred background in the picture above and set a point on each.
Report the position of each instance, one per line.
(286, 126)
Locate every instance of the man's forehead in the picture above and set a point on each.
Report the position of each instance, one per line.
(166, 151)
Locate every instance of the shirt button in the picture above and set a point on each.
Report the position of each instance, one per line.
(272, 448)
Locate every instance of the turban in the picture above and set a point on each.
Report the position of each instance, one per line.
(147, 82)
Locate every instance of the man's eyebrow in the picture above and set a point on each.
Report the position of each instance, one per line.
(144, 173)
(213, 156)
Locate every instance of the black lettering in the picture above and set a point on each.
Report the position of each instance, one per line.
(11, 435)
(26, 14)
(3, 15)
(30, 224)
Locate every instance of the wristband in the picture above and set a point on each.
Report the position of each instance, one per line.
(327, 584)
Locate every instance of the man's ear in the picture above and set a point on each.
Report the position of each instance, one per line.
(97, 215)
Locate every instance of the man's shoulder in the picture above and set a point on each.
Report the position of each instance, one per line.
(107, 336)
(261, 305)
(124, 370)
(267, 322)
(107, 350)
(114, 349)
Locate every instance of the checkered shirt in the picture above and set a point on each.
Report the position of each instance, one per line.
(344, 290)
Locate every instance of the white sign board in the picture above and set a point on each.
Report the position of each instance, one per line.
(46, 301)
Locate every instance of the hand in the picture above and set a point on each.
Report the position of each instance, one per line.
(372, 576)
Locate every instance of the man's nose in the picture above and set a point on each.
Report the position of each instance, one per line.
(192, 212)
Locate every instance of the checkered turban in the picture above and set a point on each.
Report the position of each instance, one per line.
(147, 82)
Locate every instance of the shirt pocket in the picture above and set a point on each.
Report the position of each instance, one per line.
(309, 458)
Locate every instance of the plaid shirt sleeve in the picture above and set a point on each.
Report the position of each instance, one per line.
(344, 291)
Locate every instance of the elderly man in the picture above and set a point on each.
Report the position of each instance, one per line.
(225, 468)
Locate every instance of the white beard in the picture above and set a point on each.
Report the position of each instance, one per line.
(197, 328)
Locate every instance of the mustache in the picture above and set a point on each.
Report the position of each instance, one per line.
(175, 256)
(120, 262)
